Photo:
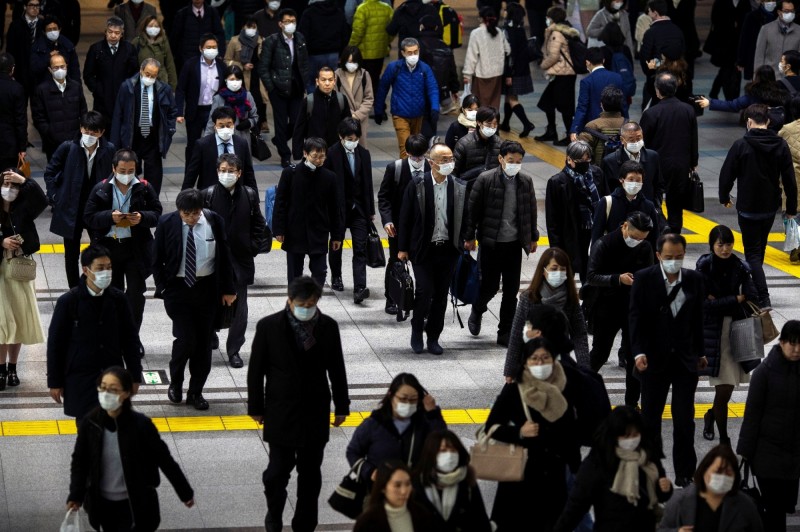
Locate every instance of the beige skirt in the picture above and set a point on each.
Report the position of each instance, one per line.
(730, 371)
(19, 312)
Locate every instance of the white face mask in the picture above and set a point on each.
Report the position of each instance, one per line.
(672, 266)
(350, 145)
(137, 1)
(304, 313)
(210, 53)
(405, 410)
(289, 28)
(416, 165)
(632, 187)
(233, 84)
(525, 330)
(547, 22)
(635, 147)
(632, 242)
(102, 280)
(471, 115)
(250, 32)
(447, 461)
(227, 179)
(629, 444)
(488, 131)
(274, 6)
(53, 35)
(617, 5)
(555, 278)
(310, 165)
(720, 484)
(447, 168)
(9, 193)
(769, 7)
(124, 179)
(153, 31)
(225, 133)
(780, 67)
(512, 169)
(542, 371)
(412, 60)
(351, 67)
(148, 82)
(88, 140)
(788, 18)
(109, 401)
(60, 74)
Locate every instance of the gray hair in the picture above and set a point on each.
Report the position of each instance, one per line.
(578, 150)
(150, 61)
(629, 127)
(408, 41)
(115, 22)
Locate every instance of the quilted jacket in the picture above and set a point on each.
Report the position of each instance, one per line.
(791, 134)
(556, 50)
(369, 29)
(275, 65)
(472, 152)
(414, 93)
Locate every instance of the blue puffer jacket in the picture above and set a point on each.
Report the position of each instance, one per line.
(414, 93)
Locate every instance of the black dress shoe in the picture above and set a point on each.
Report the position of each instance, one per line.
(337, 284)
(197, 401)
(235, 360)
(390, 308)
(474, 322)
(416, 342)
(3, 377)
(286, 163)
(360, 294)
(683, 482)
(13, 380)
(502, 339)
(563, 142)
(175, 394)
(434, 348)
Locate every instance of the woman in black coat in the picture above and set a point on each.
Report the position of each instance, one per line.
(769, 439)
(118, 496)
(391, 506)
(728, 285)
(521, 81)
(621, 440)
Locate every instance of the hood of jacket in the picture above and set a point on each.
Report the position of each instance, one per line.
(568, 31)
(765, 142)
(323, 7)
(414, 8)
(775, 361)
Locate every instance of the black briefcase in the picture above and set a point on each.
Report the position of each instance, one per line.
(695, 201)
(376, 258)
(259, 147)
(400, 287)
(224, 316)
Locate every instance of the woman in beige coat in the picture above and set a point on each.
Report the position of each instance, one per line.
(356, 85)
(244, 51)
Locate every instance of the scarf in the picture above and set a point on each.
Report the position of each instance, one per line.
(554, 296)
(249, 45)
(545, 396)
(588, 195)
(448, 482)
(303, 330)
(626, 481)
(238, 101)
(469, 124)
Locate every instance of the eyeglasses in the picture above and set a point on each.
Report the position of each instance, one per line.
(34, 6)
(114, 391)
(445, 160)
(404, 399)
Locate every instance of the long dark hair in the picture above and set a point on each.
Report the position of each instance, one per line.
(765, 88)
(383, 475)
(489, 17)
(385, 406)
(616, 425)
(516, 14)
(562, 258)
(726, 454)
(426, 467)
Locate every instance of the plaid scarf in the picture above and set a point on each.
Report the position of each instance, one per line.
(303, 330)
(238, 101)
(588, 196)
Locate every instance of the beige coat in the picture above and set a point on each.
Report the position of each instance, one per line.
(360, 96)
(791, 134)
(232, 58)
(556, 50)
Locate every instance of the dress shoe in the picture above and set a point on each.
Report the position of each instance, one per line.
(683, 482)
(417, 345)
(197, 401)
(474, 322)
(502, 339)
(175, 394)
(390, 308)
(215, 341)
(12, 380)
(549, 134)
(3, 377)
(286, 163)
(360, 294)
(563, 142)
(337, 284)
(235, 360)
(433, 347)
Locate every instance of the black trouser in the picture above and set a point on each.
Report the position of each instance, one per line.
(779, 497)
(282, 460)
(195, 125)
(675, 180)
(192, 313)
(72, 255)
(655, 387)
(238, 326)
(150, 165)
(729, 79)
(391, 259)
(374, 67)
(285, 112)
(125, 266)
(432, 276)
(754, 239)
(501, 259)
(115, 516)
(316, 263)
(610, 315)
(359, 229)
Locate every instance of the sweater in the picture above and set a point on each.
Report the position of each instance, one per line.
(486, 55)
(399, 518)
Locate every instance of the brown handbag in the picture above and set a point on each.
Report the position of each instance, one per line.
(768, 330)
(24, 167)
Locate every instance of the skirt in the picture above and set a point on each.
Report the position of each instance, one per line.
(19, 312)
(487, 90)
(520, 85)
(730, 371)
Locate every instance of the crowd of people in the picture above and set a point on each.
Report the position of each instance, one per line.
(321, 67)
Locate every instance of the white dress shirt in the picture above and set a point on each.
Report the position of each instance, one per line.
(680, 297)
(206, 248)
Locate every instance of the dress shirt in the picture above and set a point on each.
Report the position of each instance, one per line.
(206, 248)
(440, 211)
(62, 85)
(679, 300)
(90, 157)
(290, 42)
(122, 203)
(221, 145)
(198, 12)
(209, 84)
(632, 156)
(149, 100)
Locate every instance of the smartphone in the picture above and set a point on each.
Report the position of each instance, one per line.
(658, 62)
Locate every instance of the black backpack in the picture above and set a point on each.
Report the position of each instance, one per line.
(577, 55)
(609, 143)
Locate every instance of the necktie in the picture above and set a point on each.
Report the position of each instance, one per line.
(351, 158)
(144, 117)
(113, 50)
(190, 270)
(32, 27)
(417, 174)
(227, 147)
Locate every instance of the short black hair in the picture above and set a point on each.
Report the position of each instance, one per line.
(312, 144)
(208, 37)
(385, 405)
(792, 58)
(92, 120)
(758, 113)
(721, 234)
(416, 145)
(250, 20)
(469, 101)
(630, 167)
(667, 84)
(231, 158)
(124, 155)
(728, 457)
(611, 98)
(347, 52)
(189, 200)
(234, 70)
(125, 380)
(511, 146)
(616, 425)
(223, 112)
(286, 11)
(93, 252)
(325, 68)
(659, 6)
(640, 221)
(349, 126)
(528, 348)
(557, 14)
(304, 288)
(486, 114)
(790, 332)
(672, 238)
(6, 62)
(595, 55)
(51, 19)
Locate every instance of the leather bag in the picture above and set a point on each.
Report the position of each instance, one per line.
(498, 461)
(376, 258)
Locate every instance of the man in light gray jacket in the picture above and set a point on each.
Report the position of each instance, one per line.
(776, 37)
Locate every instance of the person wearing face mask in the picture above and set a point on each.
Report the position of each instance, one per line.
(151, 41)
(727, 21)
(391, 506)
(120, 214)
(486, 65)
(478, 152)
(298, 344)
(327, 32)
(613, 262)
(235, 96)
(192, 22)
(536, 413)
(322, 111)
(445, 484)
(57, 105)
(22, 201)
(267, 18)
(466, 121)
(355, 82)
(751, 27)
(132, 13)
(502, 216)
(776, 36)
(244, 51)
(117, 458)
(74, 169)
(632, 148)
(397, 429)
(714, 502)
(666, 332)
(613, 11)
(369, 35)
(92, 329)
(48, 42)
(622, 478)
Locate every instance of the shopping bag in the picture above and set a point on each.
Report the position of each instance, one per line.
(746, 339)
(348, 497)
(695, 200)
(24, 167)
(376, 258)
(792, 241)
(71, 522)
(768, 330)
(466, 92)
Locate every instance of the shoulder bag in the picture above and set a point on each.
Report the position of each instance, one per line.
(498, 461)
(21, 268)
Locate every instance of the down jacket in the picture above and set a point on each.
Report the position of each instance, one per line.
(791, 134)
(475, 155)
(415, 93)
(556, 61)
(485, 213)
(275, 64)
(369, 29)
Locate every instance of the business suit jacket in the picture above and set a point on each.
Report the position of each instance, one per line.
(104, 72)
(392, 190)
(127, 114)
(336, 161)
(591, 87)
(652, 182)
(169, 253)
(202, 168)
(187, 30)
(670, 128)
(672, 344)
(19, 44)
(187, 95)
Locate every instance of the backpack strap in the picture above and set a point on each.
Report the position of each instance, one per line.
(789, 86)
(398, 168)
(597, 134)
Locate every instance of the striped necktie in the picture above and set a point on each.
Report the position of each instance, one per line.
(190, 270)
(144, 117)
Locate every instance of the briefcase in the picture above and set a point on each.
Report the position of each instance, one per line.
(259, 147)
(376, 258)
(400, 287)
(224, 316)
(695, 201)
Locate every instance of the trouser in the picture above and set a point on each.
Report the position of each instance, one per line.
(391, 259)
(374, 67)
(285, 112)
(655, 387)
(316, 263)
(404, 128)
(115, 516)
(779, 497)
(432, 276)
(195, 125)
(238, 326)
(125, 267)
(610, 315)
(675, 179)
(317, 61)
(192, 313)
(282, 459)
(649, 91)
(501, 259)
(72, 255)
(150, 165)
(754, 239)
(359, 229)
(729, 79)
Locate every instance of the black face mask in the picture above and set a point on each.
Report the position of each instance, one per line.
(582, 167)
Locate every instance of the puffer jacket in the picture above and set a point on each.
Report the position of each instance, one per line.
(485, 213)
(325, 28)
(474, 155)
(414, 93)
(275, 66)
(556, 50)
(486, 55)
(369, 29)
(159, 50)
(791, 134)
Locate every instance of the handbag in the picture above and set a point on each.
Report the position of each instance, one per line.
(501, 462)
(224, 316)
(259, 147)
(21, 268)
(24, 167)
(376, 258)
(695, 201)
(349, 496)
(751, 491)
(768, 330)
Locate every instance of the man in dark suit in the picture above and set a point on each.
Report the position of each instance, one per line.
(592, 86)
(108, 63)
(296, 352)
(396, 178)
(430, 235)
(199, 81)
(144, 120)
(666, 332)
(190, 24)
(633, 149)
(193, 275)
(352, 165)
(321, 113)
(13, 115)
(663, 38)
(23, 30)
(308, 213)
(202, 168)
(670, 128)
